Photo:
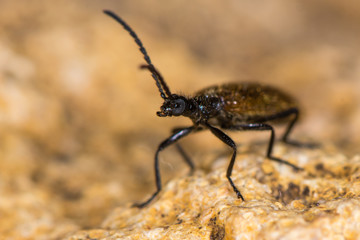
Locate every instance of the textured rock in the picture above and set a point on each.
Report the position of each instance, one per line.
(321, 202)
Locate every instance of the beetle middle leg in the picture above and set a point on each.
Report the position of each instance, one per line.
(178, 134)
(228, 141)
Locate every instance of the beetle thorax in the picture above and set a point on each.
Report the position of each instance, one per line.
(208, 107)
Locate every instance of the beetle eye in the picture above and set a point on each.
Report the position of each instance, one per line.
(179, 107)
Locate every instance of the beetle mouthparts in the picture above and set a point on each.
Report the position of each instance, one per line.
(161, 114)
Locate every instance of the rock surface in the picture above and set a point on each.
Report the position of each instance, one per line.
(321, 202)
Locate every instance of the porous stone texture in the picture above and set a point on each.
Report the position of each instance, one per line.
(321, 202)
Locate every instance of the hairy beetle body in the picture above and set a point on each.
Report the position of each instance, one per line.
(248, 102)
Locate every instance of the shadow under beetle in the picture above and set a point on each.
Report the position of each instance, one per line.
(232, 106)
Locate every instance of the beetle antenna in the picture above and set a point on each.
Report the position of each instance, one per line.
(153, 70)
(160, 82)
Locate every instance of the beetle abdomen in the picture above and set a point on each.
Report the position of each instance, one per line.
(249, 102)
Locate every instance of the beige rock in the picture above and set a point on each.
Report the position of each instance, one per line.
(321, 202)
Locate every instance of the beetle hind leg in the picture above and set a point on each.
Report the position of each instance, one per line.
(285, 137)
(266, 127)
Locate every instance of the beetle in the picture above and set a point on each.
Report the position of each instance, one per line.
(231, 106)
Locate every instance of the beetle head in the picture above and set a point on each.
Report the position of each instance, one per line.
(174, 106)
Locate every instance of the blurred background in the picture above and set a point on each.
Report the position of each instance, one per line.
(78, 127)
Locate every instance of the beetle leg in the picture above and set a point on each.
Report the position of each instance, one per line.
(294, 112)
(228, 141)
(180, 133)
(265, 127)
(184, 155)
(285, 139)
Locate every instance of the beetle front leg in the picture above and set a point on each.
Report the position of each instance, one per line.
(180, 133)
(182, 152)
(186, 157)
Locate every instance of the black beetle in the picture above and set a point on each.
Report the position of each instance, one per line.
(232, 106)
